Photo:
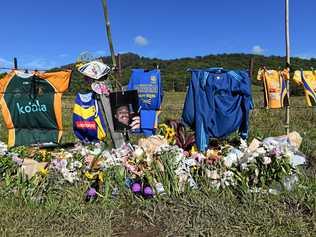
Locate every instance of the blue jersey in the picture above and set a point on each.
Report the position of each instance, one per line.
(88, 121)
(217, 103)
(149, 87)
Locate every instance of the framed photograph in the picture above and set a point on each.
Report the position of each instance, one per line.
(125, 110)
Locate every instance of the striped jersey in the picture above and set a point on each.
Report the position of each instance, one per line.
(88, 121)
(308, 80)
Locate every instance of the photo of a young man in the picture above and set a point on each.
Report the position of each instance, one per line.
(125, 110)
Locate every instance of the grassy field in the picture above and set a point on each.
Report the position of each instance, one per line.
(199, 213)
(263, 122)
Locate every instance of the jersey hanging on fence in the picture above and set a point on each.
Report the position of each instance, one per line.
(308, 80)
(31, 106)
(150, 93)
(274, 87)
(88, 121)
(217, 103)
(148, 86)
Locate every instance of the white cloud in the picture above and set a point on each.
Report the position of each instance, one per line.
(257, 49)
(303, 57)
(307, 56)
(141, 41)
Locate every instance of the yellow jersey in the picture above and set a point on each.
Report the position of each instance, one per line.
(308, 80)
(274, 87)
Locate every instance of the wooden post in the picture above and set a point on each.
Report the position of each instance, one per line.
(108, 31)
(117, 138)
(15, 63)
(119, 69)
(288, 63)
(251, 63)
(119, 64)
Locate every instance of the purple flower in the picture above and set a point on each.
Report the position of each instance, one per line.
(91, 194)
(148, 192)
(17, 160)
(276, 152)
(59, 164)
(136, 188)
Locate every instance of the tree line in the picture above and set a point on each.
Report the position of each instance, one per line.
(176, 77)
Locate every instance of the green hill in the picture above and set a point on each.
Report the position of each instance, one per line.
(174, 71)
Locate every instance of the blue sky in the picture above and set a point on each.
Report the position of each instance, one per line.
(44, 34)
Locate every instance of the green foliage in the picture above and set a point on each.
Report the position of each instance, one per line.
(164, 169)
(174, 72)
(7, 167)
(2, 75)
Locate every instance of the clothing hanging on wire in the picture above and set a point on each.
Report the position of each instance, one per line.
(88, 122)
(217, 104)
(150, 93)
(31, 106)
(308, 80)
(275, 92)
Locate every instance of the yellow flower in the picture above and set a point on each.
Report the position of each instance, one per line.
(88, 175)
(193, 150)
(162, 126)
(43, 171)
(101, 177)
(43, 152)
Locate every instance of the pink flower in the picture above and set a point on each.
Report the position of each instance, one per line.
(88, 159)
(17, 160)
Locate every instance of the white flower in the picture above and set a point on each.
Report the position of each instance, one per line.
(106, 155)
(192, 183)
(243, 145)
(257, 172)
(266, 160)
(96, 151)
(84, 151)
(75, 165)
(69, 176)
(228, 179)
(139, 152)
(255, 154)
(230, 159)
(159, 188)
(261, 150)
(3, 148)
(251, 159)
(216, 184)
(68, 155)
(190, 162)
(289, 154)
(212, 174)
(244, 166)
(273, 191)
